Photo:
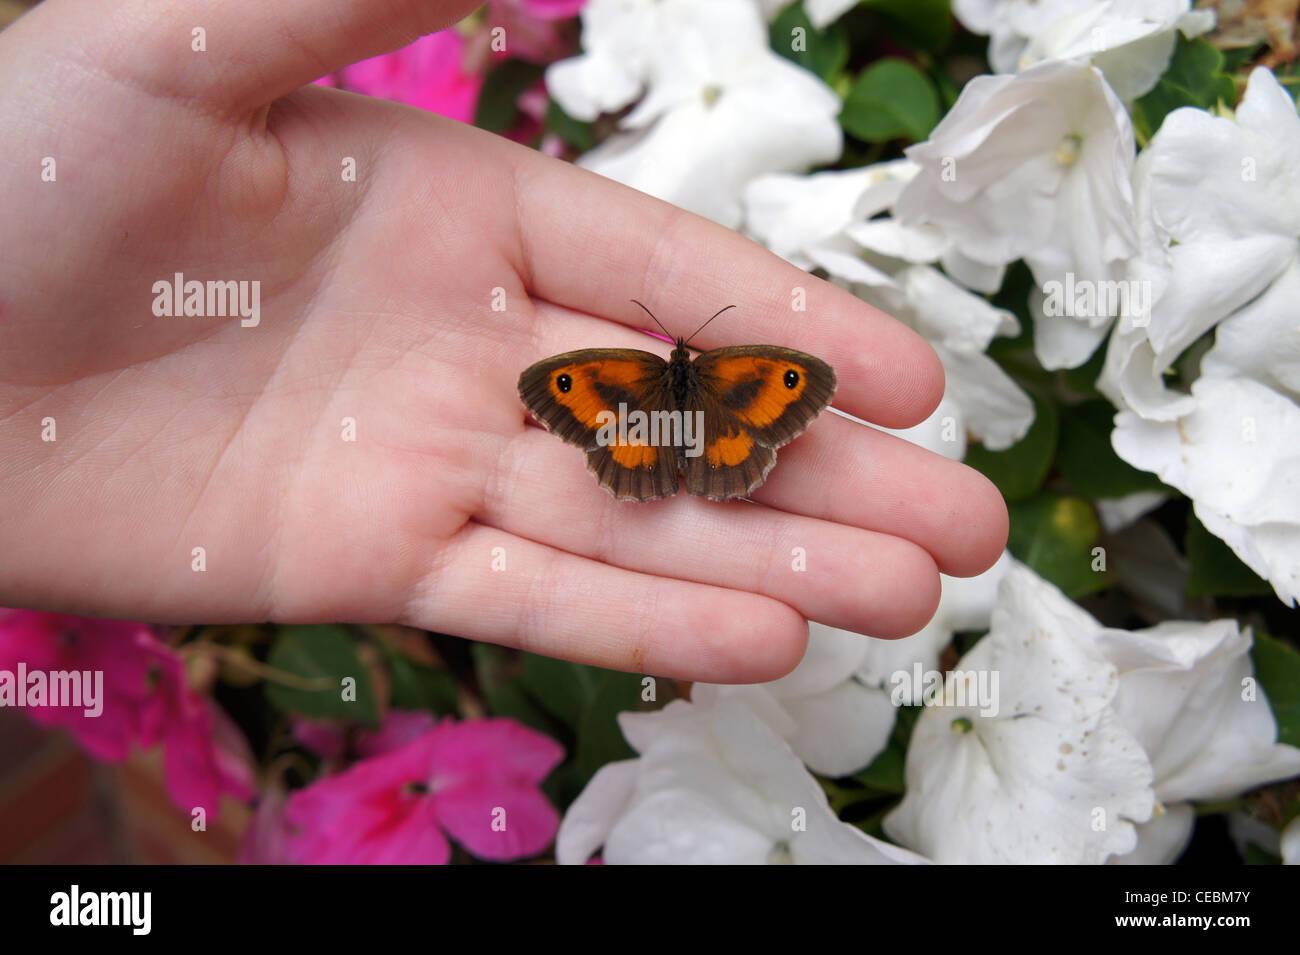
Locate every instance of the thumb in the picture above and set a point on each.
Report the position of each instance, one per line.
(231, 57)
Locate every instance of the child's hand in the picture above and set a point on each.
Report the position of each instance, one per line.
(177, 433)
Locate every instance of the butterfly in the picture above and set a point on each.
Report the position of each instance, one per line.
(641, 420)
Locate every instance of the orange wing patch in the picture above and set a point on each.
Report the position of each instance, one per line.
(635, 455)
(583, 397)
(759, 386)
(729, 450)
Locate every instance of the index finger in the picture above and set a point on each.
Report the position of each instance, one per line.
(591, 244)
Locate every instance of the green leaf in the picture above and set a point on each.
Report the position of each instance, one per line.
(325, 655)
(564, 689)
(512, 700)
(1277, 667)
(1214, 570)
(1195, 78)
(496, 110)
(418, 687)
(920, 24)
(1234, 60)
(1021, 469)
(892, 99)
(581, 136)
(1257, 856)
(600, 741)
(824, 52)
(886, 771)
(1055, 534)
(1088, 460)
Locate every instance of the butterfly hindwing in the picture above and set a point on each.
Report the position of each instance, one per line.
(568, 392)
(755, 398)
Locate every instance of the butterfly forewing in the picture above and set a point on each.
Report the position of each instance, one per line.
(569, 392)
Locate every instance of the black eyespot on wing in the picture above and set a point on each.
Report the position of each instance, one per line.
(791, 379)
(564, 383)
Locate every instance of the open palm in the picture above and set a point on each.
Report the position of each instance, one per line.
(360, 453)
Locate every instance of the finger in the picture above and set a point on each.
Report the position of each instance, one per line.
(853, 579)
(554, 603)
(251, 53)
(843, 471)
(591, 244)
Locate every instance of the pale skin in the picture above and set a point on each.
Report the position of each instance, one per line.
(175, 433)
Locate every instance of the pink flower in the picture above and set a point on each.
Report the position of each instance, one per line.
(327, 738)
(145, 700)
(475, 781)
(428, 74)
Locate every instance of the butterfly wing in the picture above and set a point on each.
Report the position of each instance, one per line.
(755, 398)
(568, 394)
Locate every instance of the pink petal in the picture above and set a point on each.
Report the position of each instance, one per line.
(496, 748)
(495, 821)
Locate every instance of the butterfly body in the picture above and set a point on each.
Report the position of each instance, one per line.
(717, 419)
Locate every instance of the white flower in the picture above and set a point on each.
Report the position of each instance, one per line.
(1219, 212)
(1235, 455)
(719, 109)
(712, 785)
(1035, 166)
(1187, 691)
(1130, 41)
(1183, 694)
(833, 723)
(1054, 776)
(830, 221)
(1098, 729)
(1011, 24)
(1219, 219)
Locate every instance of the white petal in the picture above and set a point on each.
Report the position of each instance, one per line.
(996, 409)
(914, 243)
(948, 314)
(1262, 340)
(793, 213)
(1117, 513)
(972, 274)
(1162, 840)
(842, 730)
(1291, 843)
(592, 815)
(822, 13)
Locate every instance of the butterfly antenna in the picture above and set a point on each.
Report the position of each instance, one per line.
(652, 315)
(715, 315)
